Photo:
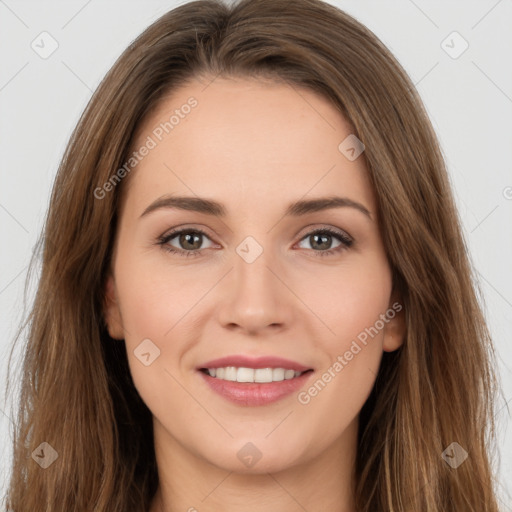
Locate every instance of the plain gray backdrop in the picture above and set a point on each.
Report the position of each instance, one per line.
(467, 93)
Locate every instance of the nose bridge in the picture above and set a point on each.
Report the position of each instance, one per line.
(251, 268)
(256, 297)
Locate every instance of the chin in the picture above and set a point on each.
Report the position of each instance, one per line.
(255, 457)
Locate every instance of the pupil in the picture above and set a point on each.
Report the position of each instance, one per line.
(189, 239)
(324, 244)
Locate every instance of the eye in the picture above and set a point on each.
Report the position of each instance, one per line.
(320, 241)
(189, 241)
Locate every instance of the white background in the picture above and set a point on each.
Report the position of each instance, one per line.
(469, 100)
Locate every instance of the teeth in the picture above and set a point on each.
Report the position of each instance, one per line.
(289, 374)
(278, 374)
(262, 375)
(240, 375)
(230, 373)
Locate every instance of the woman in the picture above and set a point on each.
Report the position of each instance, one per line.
(255, 294)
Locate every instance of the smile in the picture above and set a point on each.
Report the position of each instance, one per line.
(248, 391)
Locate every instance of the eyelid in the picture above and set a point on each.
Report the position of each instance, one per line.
(313, 228)
(177, 230)
(307, 230)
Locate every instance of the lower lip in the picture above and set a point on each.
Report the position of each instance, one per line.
(255, 393)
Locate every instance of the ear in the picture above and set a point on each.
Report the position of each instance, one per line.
(111, 310)
(395, 328)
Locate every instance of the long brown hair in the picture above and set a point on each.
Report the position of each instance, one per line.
(438, 388)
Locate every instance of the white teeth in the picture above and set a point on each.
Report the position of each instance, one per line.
(241, 375)
(289, 374)
(261, 375)
(278, 374)
(230, 373)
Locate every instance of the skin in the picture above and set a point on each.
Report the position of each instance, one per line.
(254, 146)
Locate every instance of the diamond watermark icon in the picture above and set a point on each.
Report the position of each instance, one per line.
(249, 455)
(44, 45)
(454, 45)
(249, 249)
(146, 352)
(351, 147)
(454, 455)
(45, 455)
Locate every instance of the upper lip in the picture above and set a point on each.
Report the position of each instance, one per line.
(254, 362)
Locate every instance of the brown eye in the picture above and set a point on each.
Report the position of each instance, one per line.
(321, 241)
(186, 242)
(190, 241)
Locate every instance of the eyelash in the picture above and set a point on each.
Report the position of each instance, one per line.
(163, 240)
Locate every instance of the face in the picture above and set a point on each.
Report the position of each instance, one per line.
(251, 276)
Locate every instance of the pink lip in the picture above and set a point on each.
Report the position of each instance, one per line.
(254, 393)
(258, 362)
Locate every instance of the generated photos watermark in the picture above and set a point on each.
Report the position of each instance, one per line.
(305, 397)
(150, 143)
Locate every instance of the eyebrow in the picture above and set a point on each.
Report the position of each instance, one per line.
(211, 207)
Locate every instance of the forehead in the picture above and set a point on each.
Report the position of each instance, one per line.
(246, 141)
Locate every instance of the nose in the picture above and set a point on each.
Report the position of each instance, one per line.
(255, 296)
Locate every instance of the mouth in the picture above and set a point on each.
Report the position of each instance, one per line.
(254, 381)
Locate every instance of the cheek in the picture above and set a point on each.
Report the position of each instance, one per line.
(349, 298)
(154, 297)
(154, 304)
(350, 301)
